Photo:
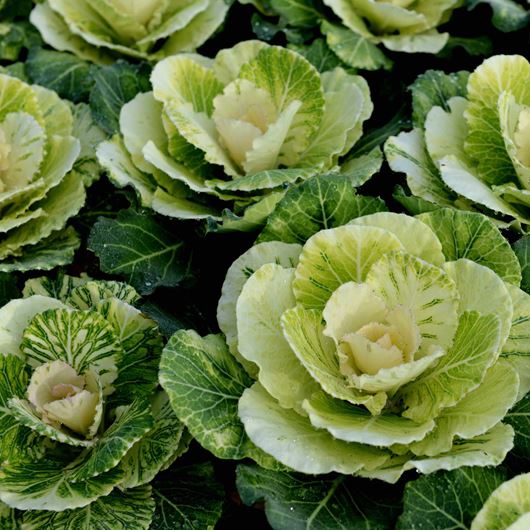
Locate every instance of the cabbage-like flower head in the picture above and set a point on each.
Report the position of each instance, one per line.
(39, 192)
(379, 346)
(471, 147)
(78, 388)
(100, 30)
(234, 131)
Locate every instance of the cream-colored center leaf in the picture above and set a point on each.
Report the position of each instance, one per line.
(242, 113)
(522, 136)
(369, 336)
(373, 347)
(63, 397)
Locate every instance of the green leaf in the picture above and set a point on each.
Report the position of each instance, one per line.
(15, 37)
(141, 248)
(519, 419)
(266, 295)
(475, 46)
(412, 204)
(508, 15)
(142, 345)
(293, 441)
(187, 497)
(9, 518)
(324, 201)
(448, 499)
(297, 13)
(298, 502)
(114, 86)
(434, 89)
(54, 251)
(475, 237)
(444, 385)
(360, 169)
(319, 54)
(151, 453)
(90, 135)
(131, 424)
(204, 383)
(63, 72)
(522, 251)
(83, 339)
(131, 509)
(52, 485)
(353, 49)
(17, 442)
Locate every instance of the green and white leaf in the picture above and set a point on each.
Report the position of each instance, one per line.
(473, 236)
(53, 486)
(84, 340)
(292, 440)
(204, 383)
(131, 509)
(339, 255)
(266, 295)
(355, 424)
(151, 453)
(323, 201)
(283, 254)
(476, 347)
(142, 344)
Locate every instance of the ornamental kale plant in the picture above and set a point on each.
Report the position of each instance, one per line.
(39, 191)
(409, 26)
(470, 148)
(82, 418)
(100, 30)
(234, 132)
(387, 344)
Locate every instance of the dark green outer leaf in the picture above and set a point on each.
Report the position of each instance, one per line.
(519, 419)
(115, 85)
(318, 54)
(63, 72)
(448, 500)
(508, 15)
(522, 251)
(19, 36)
(325, 201)
(299, 502)
(297, 13)
(141, 249)
(187, 498)
(435, 88)
(473, 236)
